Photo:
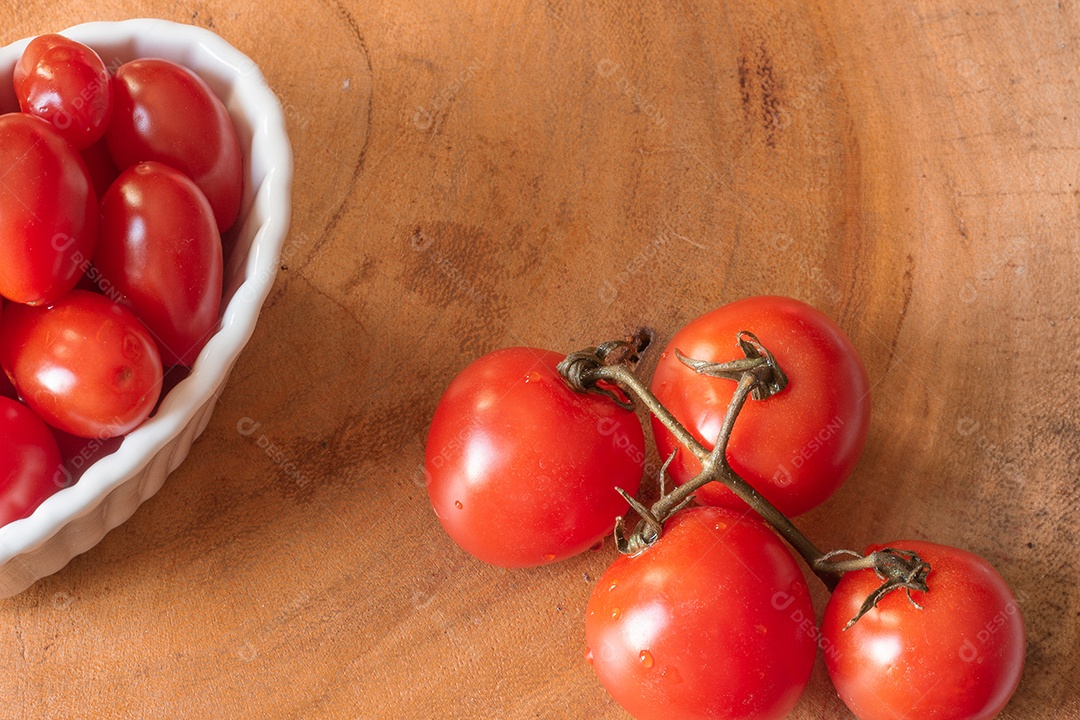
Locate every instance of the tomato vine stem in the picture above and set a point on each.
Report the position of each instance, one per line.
(758, 376)
(714, 463)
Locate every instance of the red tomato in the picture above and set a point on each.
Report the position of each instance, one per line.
(165, 112)
(959, 657)
(712, 621)
(85, 365)
(796, 447)
(65, 83)
(30, 465)
(48, 212)
(521, 469)
(160, 252)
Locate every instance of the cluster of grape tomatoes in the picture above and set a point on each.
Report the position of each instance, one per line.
(116, 185)
(760, 410)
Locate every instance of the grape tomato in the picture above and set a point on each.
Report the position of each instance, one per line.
(85, 365)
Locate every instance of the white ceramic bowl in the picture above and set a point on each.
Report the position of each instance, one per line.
(77, 517)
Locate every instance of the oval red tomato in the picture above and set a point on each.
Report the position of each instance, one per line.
(796, 447)
(957, 658)
(714, 620)
(164, 112)
(65, 83)
(30, 465)
(521, 469)
(48, 212)
(85, 365)
(160, 251)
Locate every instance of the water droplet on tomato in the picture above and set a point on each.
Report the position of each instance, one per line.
(720, 526)
(532, 376)
(663, 355)
(588, 656)
(762, 630)
(549, 557)
(615, 613)
(646, 659)
(458, 505)
(612, 586)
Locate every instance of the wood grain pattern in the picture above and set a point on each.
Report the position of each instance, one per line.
(471, 176)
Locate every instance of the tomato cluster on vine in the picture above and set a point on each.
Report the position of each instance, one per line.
(117, 186)
(760, 410)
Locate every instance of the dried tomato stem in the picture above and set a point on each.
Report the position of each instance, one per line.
(715, 464)
(755, 373)
(759, 376)
(626, 380)
(898, 569)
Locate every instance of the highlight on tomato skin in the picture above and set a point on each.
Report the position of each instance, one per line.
(796, 447)
(160, 251)
(958, 657)
(520, 469)
(200, 142)
(66, 84)
(85, 364)
(48, 212)
(714, 620)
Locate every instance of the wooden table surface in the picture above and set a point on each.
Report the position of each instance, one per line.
(471, 176)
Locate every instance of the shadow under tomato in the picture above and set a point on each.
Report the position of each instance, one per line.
(79, 453)
(6, 388)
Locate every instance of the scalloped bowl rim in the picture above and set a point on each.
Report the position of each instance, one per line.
(238, 317)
